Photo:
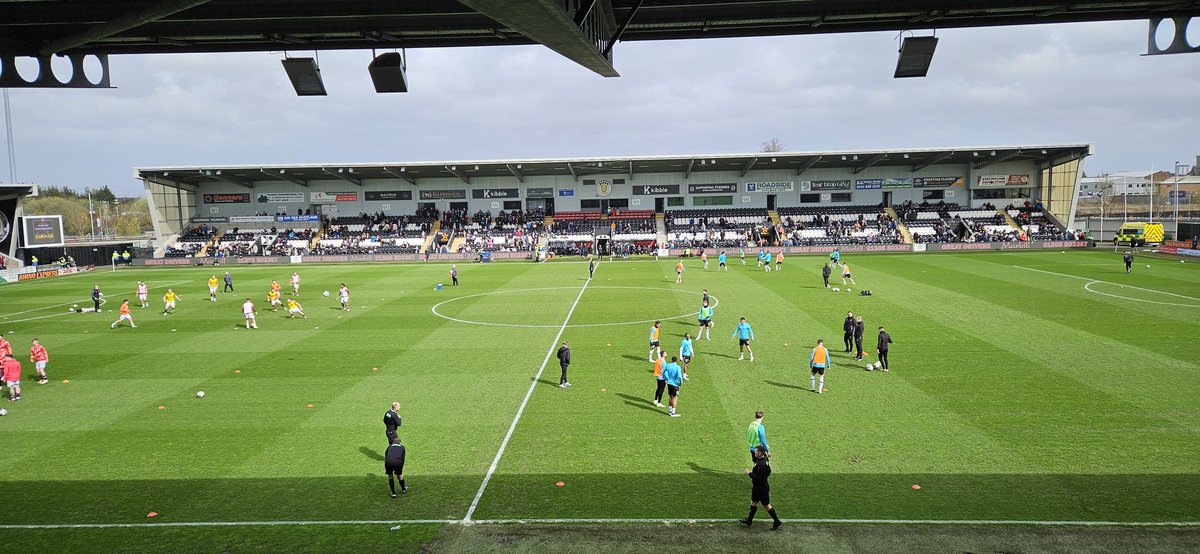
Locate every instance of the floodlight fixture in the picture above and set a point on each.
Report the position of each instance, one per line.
(305, 76)
(916, 53)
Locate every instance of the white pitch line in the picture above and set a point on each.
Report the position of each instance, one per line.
(1108, 283)
(6, 316)
(221, 524)
(536, 380)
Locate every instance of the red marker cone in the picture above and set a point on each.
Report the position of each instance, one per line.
(559, 484)
(152, 514)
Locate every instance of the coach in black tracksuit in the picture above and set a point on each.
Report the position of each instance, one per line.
(392, 422)
(858, 338)
(848, 330)
(825, 273)
(564, 360)
(882, 348)
(760, 490)
(393, 464)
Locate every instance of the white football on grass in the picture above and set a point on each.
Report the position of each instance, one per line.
(200, 394)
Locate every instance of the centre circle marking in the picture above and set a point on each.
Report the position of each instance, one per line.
(1088, 287)
(435, 307)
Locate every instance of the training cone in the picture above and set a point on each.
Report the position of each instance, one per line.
(824, 390)
(66, 381)
(237, 371)
(374, 369)
(310, 405)
(559, 484)
(916, 487)
(152, 514)
(162, 407)
(603, 390)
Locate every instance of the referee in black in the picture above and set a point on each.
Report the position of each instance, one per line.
(564, 360)
(393, 464)
(391, 420)
(760, 491)
(848, 330)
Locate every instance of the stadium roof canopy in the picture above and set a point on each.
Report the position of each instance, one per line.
(797, 162)
(582, 30)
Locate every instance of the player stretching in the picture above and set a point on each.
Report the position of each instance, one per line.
(653, 341)
(685, 353)
(248, 313)
(721, 262)
(344, 296)
(705, 316)
(295, 281)
(125, 316)
(143, 293)
(273, 300)
(846, 275)
(39, 357)
(744, 334)
(169, 302)
(294, 308)
(678, 272)
(819, 362)
(212, 288)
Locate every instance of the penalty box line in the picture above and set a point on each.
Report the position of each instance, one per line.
(521, 409)
(399, 523)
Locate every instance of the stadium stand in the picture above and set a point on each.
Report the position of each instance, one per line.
(190, 242)
(374, 234)
(716, 228)
(827, 225)
(511, 231)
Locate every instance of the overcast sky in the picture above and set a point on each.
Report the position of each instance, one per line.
(1014, 85)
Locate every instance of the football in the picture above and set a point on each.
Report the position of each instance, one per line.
(3, 412)
(878, 365)
(1147, 266)
(200, 394)
(836, 289)
(870, 367)
(326, 293)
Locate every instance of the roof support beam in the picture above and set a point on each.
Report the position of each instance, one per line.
(631, 169)
(808, 165)
(401, 173)
(455, 171)
(574, 174)
(119, 24)
(870, 162)
(546, 22)
(282, 176)
(343, 173)
(216, 174)
(621, 30)
(997, 159)
(515, 172)
(932, 160)
(746, 167)
(687, 171)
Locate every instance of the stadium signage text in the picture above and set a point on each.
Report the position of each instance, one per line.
(232, 198)
(320, 197)
(281, 197)
(252, 219)
(383, 195)
(937, 182)
(771, 186)
(210, 219)
(297, 218)
(652, 190)
(566, 192)
(997, 181)
(445, 194)
(539, 192)
(495, 193)
(835, 184)
(714, 188)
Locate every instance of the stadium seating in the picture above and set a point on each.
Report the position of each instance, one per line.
(715, 228)
(190, 242)
(829, 225)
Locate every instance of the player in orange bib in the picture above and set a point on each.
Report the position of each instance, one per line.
(654, 340)
(846, 274)
(125, 316)
(678, 272)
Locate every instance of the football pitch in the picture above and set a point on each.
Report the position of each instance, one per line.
(1026, 390)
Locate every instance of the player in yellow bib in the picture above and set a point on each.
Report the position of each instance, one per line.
(294, 308)
(169, 301)
(273, 299)
(212, 288)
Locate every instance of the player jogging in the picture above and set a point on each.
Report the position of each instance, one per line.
(125, 316)
(685, 353)
(1128, 261)
(294, 308)
(760, 490)
(212, 288)
(819, 362)
(275, 287)
(835, 256)
(721, 262)
(704, 258)
(143, 293)
(760, 259)
(660, 381)
(653, 340)
(295, 281)
(678, 272)
(744, 334)
(344, 297)
(169, 301)
(705, 317)
(39, 357)
(742, 254)
(273, 300)
(779, 261)
(846, 274)
(591, 268)
(248, 313)
(767, 261)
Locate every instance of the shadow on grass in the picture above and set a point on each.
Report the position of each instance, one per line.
(785, 385)
(371, 453)
(635, 357)
(639, 402)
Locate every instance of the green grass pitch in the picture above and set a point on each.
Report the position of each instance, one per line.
(1040, 386)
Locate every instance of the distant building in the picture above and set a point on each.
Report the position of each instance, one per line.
(1121, 183)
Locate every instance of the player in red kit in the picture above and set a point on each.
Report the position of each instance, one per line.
(12, 377)
(39, 357)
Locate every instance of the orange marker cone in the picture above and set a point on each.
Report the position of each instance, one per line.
(916, 487)
(310, 405)
(152, 514)
(559, 484)
(237, 371)
(162, 407)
